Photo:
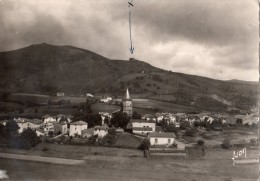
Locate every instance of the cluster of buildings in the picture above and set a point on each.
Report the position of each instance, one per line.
(147, 125)
(58, 125)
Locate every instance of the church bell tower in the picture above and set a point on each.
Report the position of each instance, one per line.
(127, 104)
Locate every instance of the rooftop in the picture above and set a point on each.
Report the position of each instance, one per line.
(141, 121)
(79, 123)
(142, 129)
(162, 135)
(101, 127)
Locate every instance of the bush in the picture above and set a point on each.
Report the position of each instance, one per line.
(45, 148)
(184, 125)
(191, 132)
(93, 139)
(226, 144)
(200, 142)
(30, 137)
(254, 142)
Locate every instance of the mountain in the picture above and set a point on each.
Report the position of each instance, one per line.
(243, 81)
(48, 69)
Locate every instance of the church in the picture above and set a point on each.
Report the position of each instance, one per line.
(127, 104)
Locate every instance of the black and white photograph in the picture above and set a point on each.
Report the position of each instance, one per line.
(129, 90)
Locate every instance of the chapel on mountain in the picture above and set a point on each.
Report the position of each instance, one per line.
(127, 104)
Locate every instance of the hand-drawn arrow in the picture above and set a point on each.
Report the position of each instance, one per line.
(132, 48)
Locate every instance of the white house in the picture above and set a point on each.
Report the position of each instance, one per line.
(142, 127)
(101, 131)
(161, 138)
(105, 100)
(48, 119)
(77, 127)
(3, 122)
(27, 123)
(149, 117)
(40, 132)
(60, 94)
(208, 119)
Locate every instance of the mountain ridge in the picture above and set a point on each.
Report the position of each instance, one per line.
(44, 68)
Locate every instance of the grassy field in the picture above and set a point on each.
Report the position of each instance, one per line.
(104, 107)
(215, 138)
(130, 165)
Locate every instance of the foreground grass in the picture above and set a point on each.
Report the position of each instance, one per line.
(103, 167)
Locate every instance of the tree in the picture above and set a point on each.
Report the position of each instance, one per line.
(184, 125)
(2, 132)
(145, 147)
(200, 142)
(11, 128)
(226, 144)
(30, 137)
(120, 120)
(51, 133)
(93, 120)
(136, 115)
(239, 121)
(110, 138)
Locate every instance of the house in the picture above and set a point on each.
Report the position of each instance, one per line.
(77, 127)
(161, 138)
(207, 119)
(139, 126)
(101, 131)
(24, 123)
(60, 94)
(63, 118)
(149, 117)
(48, 119)
(40, 132)
(3, 122)
(142, 131)
(106, 100)
(49, 126)
(193, 119)
(86, 133)
(61, 127)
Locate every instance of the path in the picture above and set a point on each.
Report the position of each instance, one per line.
(42, 159)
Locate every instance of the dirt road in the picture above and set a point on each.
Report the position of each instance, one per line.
(52, 160)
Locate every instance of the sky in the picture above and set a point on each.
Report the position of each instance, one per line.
(216, 39)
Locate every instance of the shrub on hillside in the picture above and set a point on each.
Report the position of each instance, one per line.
(200, 142)
(191, 132)
(226, 144)
(110, 138)
(93, 139)
(254, 142)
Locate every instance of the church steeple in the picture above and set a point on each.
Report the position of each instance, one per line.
(127, 94)
(127, 104)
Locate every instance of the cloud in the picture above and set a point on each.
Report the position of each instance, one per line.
(202, 37)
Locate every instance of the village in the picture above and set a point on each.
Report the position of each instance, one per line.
(167, 133)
